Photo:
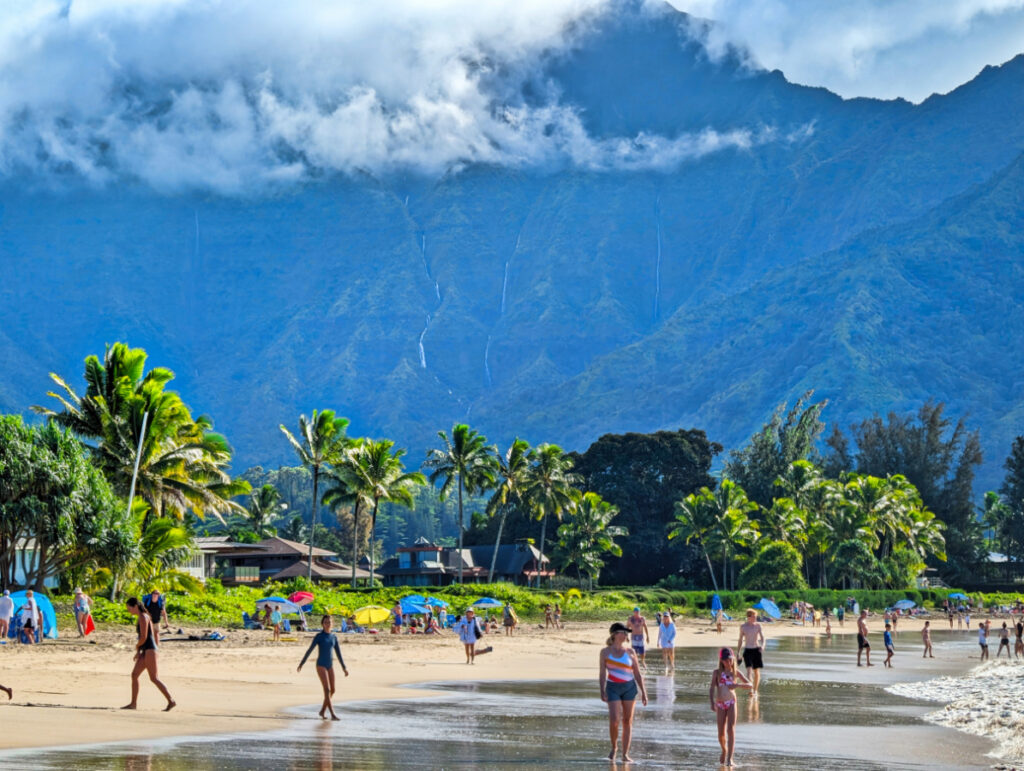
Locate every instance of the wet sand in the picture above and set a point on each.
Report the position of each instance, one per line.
(817, 710)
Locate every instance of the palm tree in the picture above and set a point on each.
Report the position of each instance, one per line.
(183, 464)
(264, 505)
(323, 441)
(588, 534)
(733, 529)
(549, 487)
(374, 472)
(694, 522)
(512, 474)
(340, 492)
(467, 463)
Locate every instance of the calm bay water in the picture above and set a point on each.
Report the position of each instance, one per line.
(817, 710)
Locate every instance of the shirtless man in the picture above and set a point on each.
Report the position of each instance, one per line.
(862, 638)
(926, 638)
(638, 635)
(752, 644)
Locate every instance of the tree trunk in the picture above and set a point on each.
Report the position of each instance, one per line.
(312, 527)
(497, 544)
(711, 570)
(543, 532)
(725, 574)
(461, 528)
(355, 540)
(373, 537)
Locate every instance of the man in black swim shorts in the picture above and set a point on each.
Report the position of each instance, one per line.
(752, 643)
(862, 638)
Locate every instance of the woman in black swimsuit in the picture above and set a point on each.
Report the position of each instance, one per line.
(145, 655)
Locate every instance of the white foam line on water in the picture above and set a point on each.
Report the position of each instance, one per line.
(984, 702)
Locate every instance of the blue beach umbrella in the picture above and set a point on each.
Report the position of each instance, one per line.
(905, 605)
(487, 602)
(770, 608)
(45, 607)
(415, 599)
(436, 603)
(412, 608)
(958, 596)
(716, 604)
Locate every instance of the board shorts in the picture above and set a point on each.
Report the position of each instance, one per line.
(862, 642)
(638, 644)
(621, 691)
(752, 658)
(509, 621)
(890, 649)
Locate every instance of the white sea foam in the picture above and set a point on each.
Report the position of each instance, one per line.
(985, 702)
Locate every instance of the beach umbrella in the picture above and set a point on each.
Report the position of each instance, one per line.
(415, 599)
(716, 604)
(487, 602)
(285, 606)
(372, 614)
(45, 607)
(770, 608)
(905, 605)
(958, 596)
(436, 603)
(410, 607)
(303, 599)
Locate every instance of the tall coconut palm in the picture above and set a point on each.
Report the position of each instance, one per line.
(694, 522)
(587, 535)
(466, 463)
(733, 529)
(264, 505)
(183, 463)
(374, 472)
(341, 491)
(549, 488)
(512, 473)
(322, 441)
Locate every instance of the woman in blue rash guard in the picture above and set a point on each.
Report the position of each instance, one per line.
(326, 643)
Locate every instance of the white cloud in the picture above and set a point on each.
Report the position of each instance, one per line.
(231, 95)
(878, 48)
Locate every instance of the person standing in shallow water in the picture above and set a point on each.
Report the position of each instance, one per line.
(326, 644)
(926, 637)
(723, 701)
(145, 655)
(620, 680)
(752, 644)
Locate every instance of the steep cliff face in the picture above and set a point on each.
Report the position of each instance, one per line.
(783, 239)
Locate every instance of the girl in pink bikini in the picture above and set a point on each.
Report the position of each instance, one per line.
(724, 681)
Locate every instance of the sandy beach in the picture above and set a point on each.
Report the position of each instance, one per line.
(68, 692)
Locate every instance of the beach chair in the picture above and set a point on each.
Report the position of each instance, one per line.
(247, 622)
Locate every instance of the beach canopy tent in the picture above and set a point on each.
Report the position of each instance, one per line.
(285, 606)
(905, 605)
(486, 602)
(45, 607)
(769, 608)
(958, 596)
(716, 605)
(409, 607)
(303, 599)
(436, 603)
(371, 614)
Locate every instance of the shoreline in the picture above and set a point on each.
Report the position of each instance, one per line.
(68, 693)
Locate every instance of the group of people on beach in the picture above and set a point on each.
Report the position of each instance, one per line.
(622, 663)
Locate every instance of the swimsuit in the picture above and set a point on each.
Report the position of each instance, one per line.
(620, 684)
(150, 643)
(638, 644)
(725, 704)
(327, 643)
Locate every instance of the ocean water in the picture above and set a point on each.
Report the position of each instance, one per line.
(817, 710)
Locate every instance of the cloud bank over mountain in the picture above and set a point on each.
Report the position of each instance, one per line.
(877, 48)
(232, 96)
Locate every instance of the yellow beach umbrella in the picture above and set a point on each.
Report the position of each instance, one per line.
(372, 614)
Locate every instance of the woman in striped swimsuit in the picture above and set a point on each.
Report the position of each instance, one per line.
(620, 680)
(723, 701)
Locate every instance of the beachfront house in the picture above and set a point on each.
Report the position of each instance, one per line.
(427, 564)
(202, 564)
(279, 559)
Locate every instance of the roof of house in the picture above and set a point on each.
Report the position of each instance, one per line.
(513, 558)
(331, 571)
(221, 543)
(282, 547)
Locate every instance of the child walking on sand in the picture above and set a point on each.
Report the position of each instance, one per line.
(889, 649)
(724, 681)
